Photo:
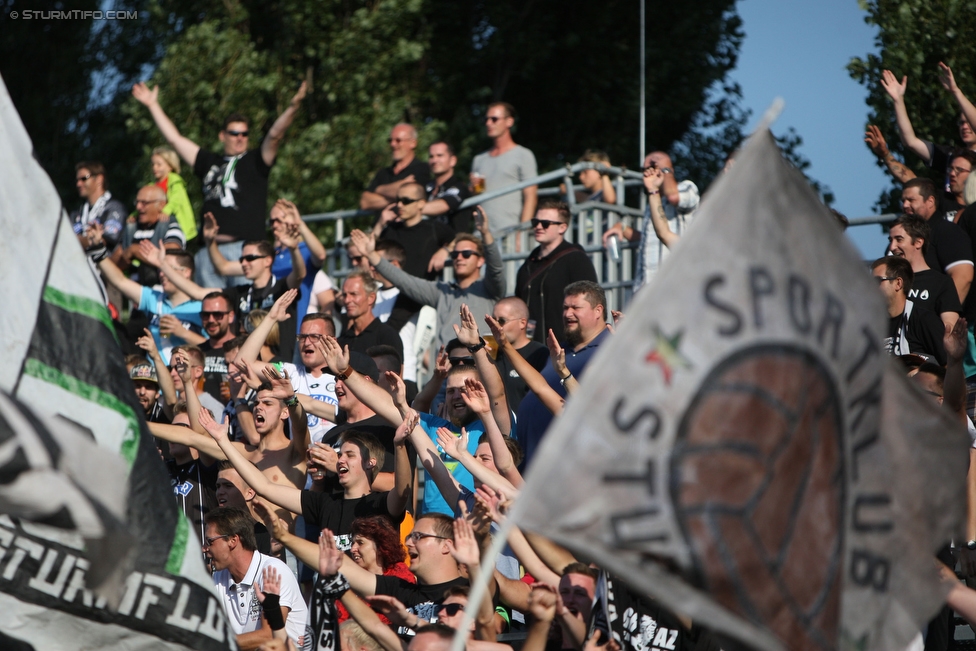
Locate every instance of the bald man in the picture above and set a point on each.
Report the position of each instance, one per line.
(382, 190)
(512, 315)
(151, 224)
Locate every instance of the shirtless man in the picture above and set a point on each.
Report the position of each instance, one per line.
(282, 461)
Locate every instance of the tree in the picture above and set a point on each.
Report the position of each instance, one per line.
(913, 37)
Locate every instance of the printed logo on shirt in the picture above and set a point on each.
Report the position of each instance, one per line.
(182, 488)
(314, 420)
(644, 634)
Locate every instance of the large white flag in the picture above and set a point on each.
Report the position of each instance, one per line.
(59, 355)
(743, 451)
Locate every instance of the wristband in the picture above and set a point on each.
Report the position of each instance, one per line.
(98, 253)
(564, 380)
(272, 611)
(478, 346)
(291, 402)
(651, 192)
(242, 403)
(344, 374)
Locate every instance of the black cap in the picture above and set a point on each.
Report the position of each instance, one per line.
(364, 365)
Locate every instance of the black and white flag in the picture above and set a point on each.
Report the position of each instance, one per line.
(743, 450)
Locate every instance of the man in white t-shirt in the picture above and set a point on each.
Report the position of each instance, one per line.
(239, 579)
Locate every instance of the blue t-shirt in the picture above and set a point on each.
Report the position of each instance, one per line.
(156, 305)
(433, 500)
(281, 267)
(533, 416)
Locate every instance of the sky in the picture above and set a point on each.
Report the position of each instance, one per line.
(798, 50)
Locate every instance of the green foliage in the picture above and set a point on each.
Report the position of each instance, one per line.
(913, 37)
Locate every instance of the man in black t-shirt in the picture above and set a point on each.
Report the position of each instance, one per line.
(911, 329)
(362, 329)
(382, 190)
(931, 289)
(235, 182)
(264, 289)
(512, 315)
(446, 190)
(424, 240)
(949, 249)
(218, 316)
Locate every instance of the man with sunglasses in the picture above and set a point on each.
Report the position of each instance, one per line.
(506, 163)
(99, 206)
(468, 256)
(424, 240)
(911, 329)
(235, 182)
(512, 314)
(217, 314)
(382, 190)
(551, 266)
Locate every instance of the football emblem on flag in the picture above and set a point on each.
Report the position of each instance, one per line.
(757, 479)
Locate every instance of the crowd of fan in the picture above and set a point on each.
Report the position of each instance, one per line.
(343, 488)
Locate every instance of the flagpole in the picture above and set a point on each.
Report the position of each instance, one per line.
(643, 117)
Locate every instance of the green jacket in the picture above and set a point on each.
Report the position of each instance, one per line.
(178, 205)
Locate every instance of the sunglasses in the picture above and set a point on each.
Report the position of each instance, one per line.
(493, 118)
(450, 609)
(83, 178)
(406, 201)
(213, 315)
(238, 133)
(545, 223)
(881, 279)
(354, 259)
(462, 254)
(462, 361)
(252, 257)
(502, 320)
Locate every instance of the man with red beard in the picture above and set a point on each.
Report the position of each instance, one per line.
(584, 329)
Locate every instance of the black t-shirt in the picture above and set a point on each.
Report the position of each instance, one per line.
(948, 206)
(421, 600)
(244, 298)
(235, 190)
(336, 513)
(537, 355)
(967, 222)
(420, 171)
(949, 244)
(375, 334)
(453, 192)
(935, 292)
(924, 332)
(420, 241)
(214, 368)
(375, 425)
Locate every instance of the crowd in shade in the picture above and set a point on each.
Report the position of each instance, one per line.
(346, 448)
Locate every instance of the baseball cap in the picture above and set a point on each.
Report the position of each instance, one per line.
(143, 372)
(364, 365)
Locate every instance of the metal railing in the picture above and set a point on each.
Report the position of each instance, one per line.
(590, 220)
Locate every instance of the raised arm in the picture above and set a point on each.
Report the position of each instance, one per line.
(314, 244)
(282, 390)
(186, 436)
(477, 400)
(421, 290)
(530, 200)
(533, 378)
(287, 497)
(896, 90)
(494, 267)
(457, 447)
(653, 181)
(157, 256)
(396, 499)
(557, 356)
(251, 349)
(223, 266)
(442, 366)
(129, 288)
(362, 581)
(962, 277)
(166, 386)
(468, 335)
(949, 83)
(430, 458)
(186, 148)
(269, 148)
(877, 144)
(466, 551)
(290, 236)
(369, 393)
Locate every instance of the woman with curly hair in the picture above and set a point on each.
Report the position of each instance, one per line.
(376, 546)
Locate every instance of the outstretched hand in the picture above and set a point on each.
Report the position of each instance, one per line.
(300, 94)
(956, 340)
(210, 227)
(247, 373)
(475, 396)
(496, 331)
(152, 254)
(464, 547)
(467, 333)
(147, 343)
(876, 142)
(403, 430)
(336, 356)
(455, 446)
(279, 311)
(144, 95)
(398, 390)
(556, 354)
(894, 88)
(270, 584)
(946, 78)
(280, 383)
(217, 431)
(365, 243)
(330, 557)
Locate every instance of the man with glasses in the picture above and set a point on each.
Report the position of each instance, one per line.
(218, 317)
(506, 163)
(468, 256)
(911, 329)
(151, 225)
(551, 266)
(235, 182)
(382, 190)
(241, 570)
(99, 206)
(512, 314)
(264, 289)
(425, 241)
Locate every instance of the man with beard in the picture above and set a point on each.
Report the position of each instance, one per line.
(312, 379)
(217, 314)
(147, 392)
(584, 329)
(456, 410)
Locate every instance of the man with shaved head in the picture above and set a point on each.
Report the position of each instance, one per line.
(403, 222)
(512, 314)
(151, 224)
(382, 190)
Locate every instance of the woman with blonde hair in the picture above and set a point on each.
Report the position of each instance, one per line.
(166, 171)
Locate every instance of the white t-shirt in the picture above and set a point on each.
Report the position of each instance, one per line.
(385, 298)
(242, 606)
(320, 388)
(321, 284)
